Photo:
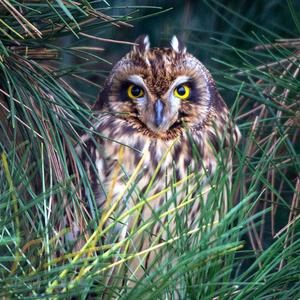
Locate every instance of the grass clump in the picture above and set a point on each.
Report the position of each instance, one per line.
(251, 252)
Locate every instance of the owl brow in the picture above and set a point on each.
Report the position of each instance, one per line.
(180, 80)
(138, 80)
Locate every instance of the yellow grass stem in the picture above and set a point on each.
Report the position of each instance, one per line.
(171, 211)
(96, 233)
(120, 244)
(15, 208)
(12, 30)
(135, 221)
(142, 203)
(105, 215)
(160, 245)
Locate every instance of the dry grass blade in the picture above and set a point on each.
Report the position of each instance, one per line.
(276, 140)
(26, 25)
(106, 40)
(51, 69)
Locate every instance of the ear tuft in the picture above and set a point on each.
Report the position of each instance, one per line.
(143, 44)
(177, 45)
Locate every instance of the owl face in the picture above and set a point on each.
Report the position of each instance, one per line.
(161, 90)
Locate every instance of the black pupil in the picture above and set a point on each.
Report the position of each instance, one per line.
(135, 91)
(181, 90)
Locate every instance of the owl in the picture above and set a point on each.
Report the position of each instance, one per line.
(160, 127)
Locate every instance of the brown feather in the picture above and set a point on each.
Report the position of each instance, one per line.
(202, 121)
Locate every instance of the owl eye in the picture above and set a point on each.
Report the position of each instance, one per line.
(182, 91)
(135, 91)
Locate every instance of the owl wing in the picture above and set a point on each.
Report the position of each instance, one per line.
(222, 132)
(95, 168)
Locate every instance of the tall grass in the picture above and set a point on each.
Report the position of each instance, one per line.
(250, 253)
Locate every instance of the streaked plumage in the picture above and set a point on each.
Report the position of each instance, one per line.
(156, 122)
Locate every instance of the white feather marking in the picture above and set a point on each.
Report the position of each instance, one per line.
(179, 80)
(175, 104)
(138, 80)
(146, 43)
(175, 44)
(99, 166)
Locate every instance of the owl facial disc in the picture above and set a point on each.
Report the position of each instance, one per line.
(159, 91)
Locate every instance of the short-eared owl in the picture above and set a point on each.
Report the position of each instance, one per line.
(162, 121)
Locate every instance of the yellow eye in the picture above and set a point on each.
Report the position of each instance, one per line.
(135, 91)
(182, 91)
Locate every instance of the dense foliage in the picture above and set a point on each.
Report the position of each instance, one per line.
(54, 55)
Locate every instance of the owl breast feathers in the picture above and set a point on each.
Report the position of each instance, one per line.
(162, 105)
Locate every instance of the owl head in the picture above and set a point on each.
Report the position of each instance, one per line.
(161, 90)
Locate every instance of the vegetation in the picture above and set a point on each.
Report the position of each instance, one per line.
(53, 55)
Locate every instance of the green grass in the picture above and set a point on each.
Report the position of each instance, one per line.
(250, 253)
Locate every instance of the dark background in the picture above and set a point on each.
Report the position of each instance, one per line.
(210, 30)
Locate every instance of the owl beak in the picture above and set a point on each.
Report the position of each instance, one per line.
(159, 108)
